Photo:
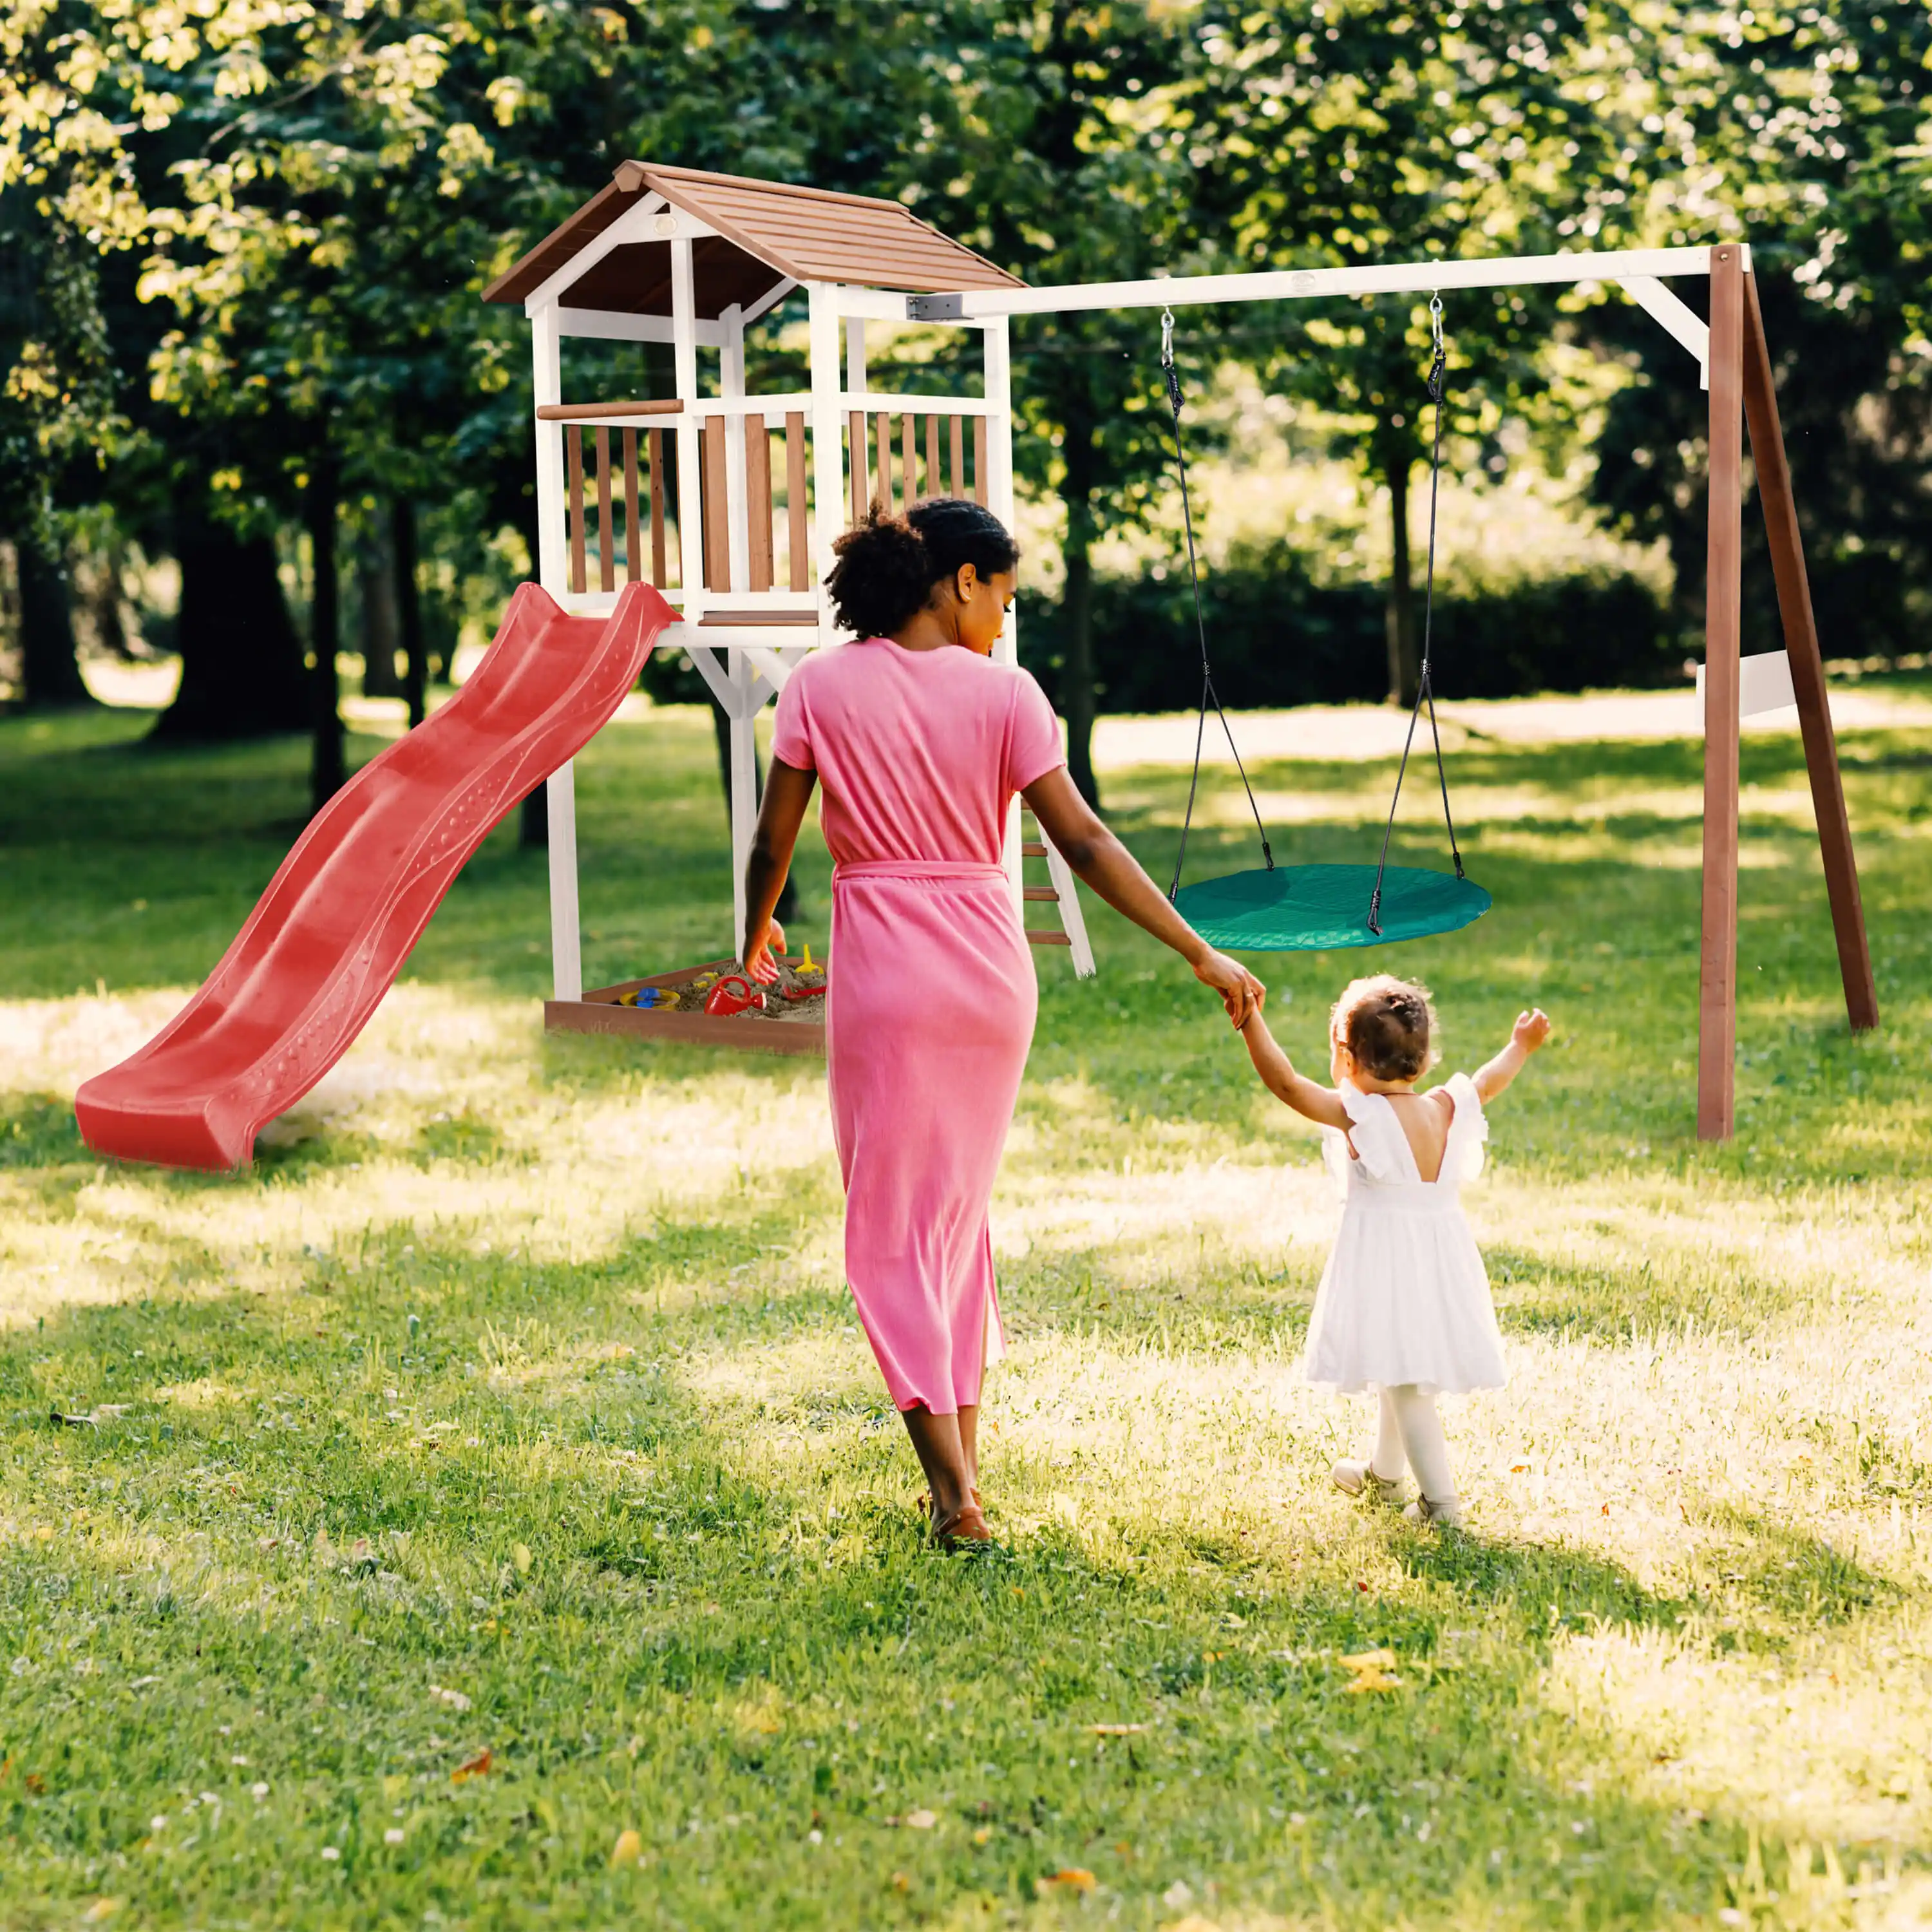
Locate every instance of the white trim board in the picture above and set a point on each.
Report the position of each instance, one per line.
(1303, 284)
(1764, 684)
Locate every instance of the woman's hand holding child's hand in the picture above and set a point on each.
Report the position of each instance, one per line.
(1531, 1030)
(1241, 993)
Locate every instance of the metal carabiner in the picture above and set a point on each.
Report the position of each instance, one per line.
(1435, 319)
(1167, 338)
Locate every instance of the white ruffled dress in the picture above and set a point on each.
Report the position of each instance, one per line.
(1405, 1297)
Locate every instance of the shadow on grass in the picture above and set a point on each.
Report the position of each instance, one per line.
(1610, 1303)
(689, 1632)
(1546, 1588)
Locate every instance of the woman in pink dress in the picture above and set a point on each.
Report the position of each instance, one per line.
(921, 741)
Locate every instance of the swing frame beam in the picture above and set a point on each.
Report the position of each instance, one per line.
(1735, 366)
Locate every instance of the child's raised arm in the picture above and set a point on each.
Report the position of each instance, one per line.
(1531, 1030)
(1322, 1105)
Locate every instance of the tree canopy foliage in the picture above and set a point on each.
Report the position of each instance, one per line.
(245, 238)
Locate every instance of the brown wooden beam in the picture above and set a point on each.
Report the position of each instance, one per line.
(592, 412)
(1807, 668)
(1717, 954)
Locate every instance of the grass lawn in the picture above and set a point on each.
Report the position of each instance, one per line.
(492, 1516)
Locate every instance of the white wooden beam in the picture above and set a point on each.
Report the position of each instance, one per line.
(828, 460)
(751, 690)
(731, 387)
(608, 325)
(999, 492)
(566, 942)
(690, 495)
(769, 301)
(635, 224)
(552, 567)
(1682, 321)
(1301, 284)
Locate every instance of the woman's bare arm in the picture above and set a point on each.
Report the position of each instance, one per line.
(787, 793)
(1321, 1105)
(1103, 863)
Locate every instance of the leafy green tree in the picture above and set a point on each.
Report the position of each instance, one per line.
(1049, 154)
(1346, 133)
(1804, 131)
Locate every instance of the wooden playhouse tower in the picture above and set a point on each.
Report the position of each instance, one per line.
(737, 529)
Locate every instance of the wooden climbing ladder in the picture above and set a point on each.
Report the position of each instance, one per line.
(1061, 892)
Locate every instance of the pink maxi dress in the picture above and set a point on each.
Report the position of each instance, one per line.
(932, 996)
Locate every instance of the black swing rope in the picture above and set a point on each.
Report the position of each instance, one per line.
(1208, 694)
(1424, 693)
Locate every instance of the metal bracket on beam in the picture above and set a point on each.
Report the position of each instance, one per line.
(947, 307)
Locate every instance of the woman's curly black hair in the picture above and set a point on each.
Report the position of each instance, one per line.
(887, 565)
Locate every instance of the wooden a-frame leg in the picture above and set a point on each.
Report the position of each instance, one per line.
(1807, 668)
(1717, 956)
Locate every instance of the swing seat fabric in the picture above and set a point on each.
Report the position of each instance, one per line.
(1321, 908)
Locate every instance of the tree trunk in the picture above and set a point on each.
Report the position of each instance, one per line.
(1076, 684)
(409, 608)
(1403, 668)
(241, 661)
(50, 675)
(381, 621)
(327, 767)
(787, 908)
(104, 608)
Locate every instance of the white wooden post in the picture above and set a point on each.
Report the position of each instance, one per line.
(566, 946)
(744, 788)
(690, 497)
(855, 355)
(737, 510)
(999, 501)
(828, 465)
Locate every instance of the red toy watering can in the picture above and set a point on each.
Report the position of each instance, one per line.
(733, 994)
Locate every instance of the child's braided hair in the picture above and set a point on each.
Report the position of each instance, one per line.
(1388, 1026)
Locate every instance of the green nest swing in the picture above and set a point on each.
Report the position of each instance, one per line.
(1318, 908)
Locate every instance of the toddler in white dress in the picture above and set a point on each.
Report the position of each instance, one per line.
(1404, 1305)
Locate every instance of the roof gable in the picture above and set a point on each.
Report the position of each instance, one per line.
(767, 233)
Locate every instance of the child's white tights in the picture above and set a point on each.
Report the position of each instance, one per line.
(1409, 1431)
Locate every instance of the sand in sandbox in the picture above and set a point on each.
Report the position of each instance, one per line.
(777, 1008)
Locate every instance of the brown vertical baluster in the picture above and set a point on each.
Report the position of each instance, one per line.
(957, 437)
(573, 462)
(909, 456)
(607, 556)
(660, 571)
(882, 492)
(633, 536)
(935, 485)
(798, 542)
(857, 466)
(717, 508)
(980, 461)
(758, 499)
(1718, 960)
(1807, 670)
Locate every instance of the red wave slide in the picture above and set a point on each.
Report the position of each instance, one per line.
(329, 937)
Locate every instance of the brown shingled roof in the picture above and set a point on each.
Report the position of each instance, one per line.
(767, 232)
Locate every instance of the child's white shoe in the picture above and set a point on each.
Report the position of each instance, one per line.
(1447, 1511)
(1353, 1478)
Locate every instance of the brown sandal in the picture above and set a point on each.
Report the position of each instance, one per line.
(965, 1526)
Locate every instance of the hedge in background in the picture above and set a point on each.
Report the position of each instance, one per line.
(1276, 638)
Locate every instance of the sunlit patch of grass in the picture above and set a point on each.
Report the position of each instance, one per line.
(514, 1401)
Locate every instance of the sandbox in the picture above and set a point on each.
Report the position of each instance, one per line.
(782, 1026)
